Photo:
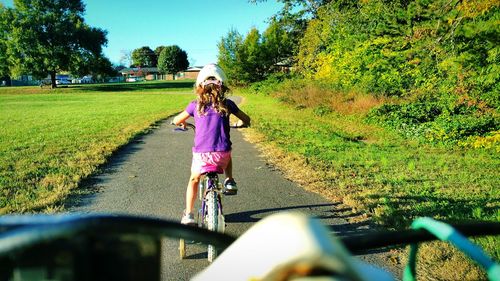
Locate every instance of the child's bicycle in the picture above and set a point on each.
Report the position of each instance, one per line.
(210, 214)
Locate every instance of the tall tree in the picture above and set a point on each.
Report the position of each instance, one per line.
(103, 68)
(278, 43)
(144, 57)
(172, 60)
(230, 55)
(52, 36)
(158, 50)
(4, 29)
(254, 57)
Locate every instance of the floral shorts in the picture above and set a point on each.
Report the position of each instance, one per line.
(204, 162)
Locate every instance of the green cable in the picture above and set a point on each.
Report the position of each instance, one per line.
(445, 232)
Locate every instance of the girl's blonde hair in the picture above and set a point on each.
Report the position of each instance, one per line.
(212, 94)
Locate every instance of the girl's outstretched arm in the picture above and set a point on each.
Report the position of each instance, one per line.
(243, 117)
(181, 118)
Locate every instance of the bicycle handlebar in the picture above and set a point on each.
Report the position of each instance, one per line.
(187, 125)
(372, 240)
(192, 126)
(354, 243)
(24, 235)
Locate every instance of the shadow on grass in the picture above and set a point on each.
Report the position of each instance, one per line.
(132, 87)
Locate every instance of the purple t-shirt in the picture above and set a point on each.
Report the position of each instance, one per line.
(212, 129)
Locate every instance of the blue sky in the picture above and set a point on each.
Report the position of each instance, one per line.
(194, 25)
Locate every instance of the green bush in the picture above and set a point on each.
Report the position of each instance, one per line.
(406, 48)
(270, 85)
(436, 122)
(452, 128)
(413, 113)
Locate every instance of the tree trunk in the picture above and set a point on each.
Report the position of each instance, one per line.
(173, 76)
(53, 79)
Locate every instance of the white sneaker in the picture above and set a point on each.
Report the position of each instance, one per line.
(230, 187)
(188, 218)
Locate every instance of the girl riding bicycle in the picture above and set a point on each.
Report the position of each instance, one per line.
(212, 144)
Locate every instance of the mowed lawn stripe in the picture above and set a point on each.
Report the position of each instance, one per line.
(50, 142)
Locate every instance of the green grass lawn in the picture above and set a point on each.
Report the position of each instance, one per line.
(375, 171)
(52, 139)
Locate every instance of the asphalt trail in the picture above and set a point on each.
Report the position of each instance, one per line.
(148, 177)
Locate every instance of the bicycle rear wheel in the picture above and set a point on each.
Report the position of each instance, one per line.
(212, 221)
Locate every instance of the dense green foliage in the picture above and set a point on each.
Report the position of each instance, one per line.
(442, 56)
(254, 57)
(47, 37)
(417, 47)
(4, 23)
(437, 123)
(144, 57)
(437, 61)
(172, 59)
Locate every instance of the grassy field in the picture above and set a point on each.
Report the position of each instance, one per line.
(52, 139)
(375, 172)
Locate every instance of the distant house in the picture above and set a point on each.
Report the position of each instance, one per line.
(152, 73)
(149, 73)
(191, 72)
(285, 66)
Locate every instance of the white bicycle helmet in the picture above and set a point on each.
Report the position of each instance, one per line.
(211, 70)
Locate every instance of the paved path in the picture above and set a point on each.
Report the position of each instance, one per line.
(149, 177)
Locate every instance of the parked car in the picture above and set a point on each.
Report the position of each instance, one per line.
(83, 80)
(133, 79)
(86, 80)
(62, 82)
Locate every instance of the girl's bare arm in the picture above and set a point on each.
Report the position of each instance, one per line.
(243, 117)
(181, 118)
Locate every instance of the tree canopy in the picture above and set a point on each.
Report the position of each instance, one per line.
(158, 50)
(172, 60)
(230, 57)
(5, 18)
(389, 47)
(406, 47)
(46, 37)
(439, 59)
(144, 57)
(255, 56)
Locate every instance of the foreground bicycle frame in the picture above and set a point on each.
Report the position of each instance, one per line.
(95, 241)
